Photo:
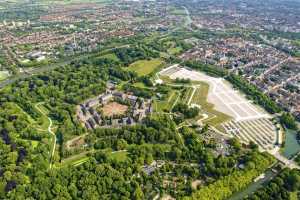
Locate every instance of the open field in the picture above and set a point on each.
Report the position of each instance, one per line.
(145, 67)
(114, 108)
(209, 114)
(221, 94)
(118, 156)
(139, 85)
(294, 195)
(110, 56)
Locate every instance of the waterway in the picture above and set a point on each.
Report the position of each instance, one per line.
(252, 187)
(291, 145)
(291, 148)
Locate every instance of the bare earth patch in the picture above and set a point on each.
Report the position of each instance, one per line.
(167, 197)
(75, 142)
(196, 183)
(114, 108)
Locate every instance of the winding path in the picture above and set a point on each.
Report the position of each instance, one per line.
(49, 130)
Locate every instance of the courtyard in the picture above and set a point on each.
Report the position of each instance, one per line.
(114, 109)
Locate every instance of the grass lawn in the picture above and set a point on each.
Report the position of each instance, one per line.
(145, 67)
(110, 56)
(166, 79)
(119, 156)
(83, 157)
(174, 50)
(186, 95)
(139, 84)
(167, 103)
(3, 75)
(200, 98)
(164, 55)
(43, 121)
(34, 143)
(293, 195)
(74, 160)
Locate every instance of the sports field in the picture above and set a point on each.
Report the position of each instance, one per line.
(145, 67)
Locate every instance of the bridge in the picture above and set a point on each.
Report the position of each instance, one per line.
(290, 163)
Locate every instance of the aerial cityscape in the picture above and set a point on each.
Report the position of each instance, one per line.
(150, 99)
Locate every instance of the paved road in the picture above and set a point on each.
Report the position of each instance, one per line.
(288, 163)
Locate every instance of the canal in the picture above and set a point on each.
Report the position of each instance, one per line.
(291, 148)
(252, 187)
(291, 145)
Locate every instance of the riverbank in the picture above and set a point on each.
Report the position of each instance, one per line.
(252, 187)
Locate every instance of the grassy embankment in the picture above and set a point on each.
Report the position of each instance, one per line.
(200, 97)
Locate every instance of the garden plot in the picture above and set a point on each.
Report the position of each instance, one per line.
(221, 94)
